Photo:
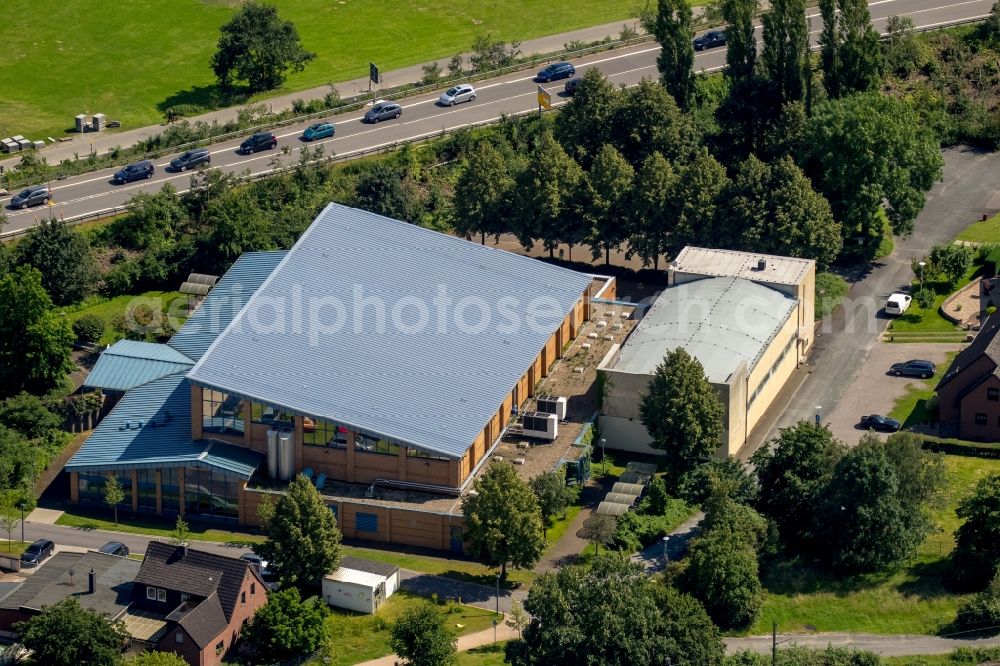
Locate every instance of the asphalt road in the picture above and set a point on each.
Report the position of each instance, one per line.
(516, 93)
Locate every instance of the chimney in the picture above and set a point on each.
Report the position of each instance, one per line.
(91, 581)
(184, 549)
(761, 264)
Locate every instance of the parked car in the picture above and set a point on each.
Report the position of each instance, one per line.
(191, 159)
(383, 111)
(319, 131)
(913, 368)
(32, 196)
(258, 563)
(463, 92)
(555, 71)
(36, 552)
(897, 304)
(114, 548)
(710, 40)
(571, 86)
(879, 422)
(259, 141)
(137, 171)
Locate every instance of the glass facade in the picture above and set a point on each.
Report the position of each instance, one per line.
(320, 432)
(415, 453)
(272, 416)
(221, 413)
(125, 481)
(146, 489)
(210, 493)
(91, 487)
(366, 444)
(170, 488)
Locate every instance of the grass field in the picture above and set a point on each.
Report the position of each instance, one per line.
(911, 408)
(919, 320)
(913, 600)
(172, 303)
(987, 231)
(133, 60)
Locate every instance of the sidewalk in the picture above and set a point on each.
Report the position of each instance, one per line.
(106, 141)
(887, 646)
(467, 642)
(651, 557)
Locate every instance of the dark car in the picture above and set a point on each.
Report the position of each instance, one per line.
(879, 422)
(259, 141)
(114, 548)
(555, 71)
(260, 564)
(32, 196)
(571, 86)
(191, 159)
(913, 368)
(383, 111)
(36, 552)
(137, 171)
(710, 40)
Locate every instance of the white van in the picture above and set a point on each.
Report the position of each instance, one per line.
(897, 304)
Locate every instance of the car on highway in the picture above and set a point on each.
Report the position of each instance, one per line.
(710, 40)
(897, 304)
(114, 548)
(913, 368)
(319, 131)
(35, 553)
(137, 171)
(383, 111)
(31, 196)
(571, 86)
(258, 141)
(556, 71)
(463, 92)
(880, 423)
(190, 159)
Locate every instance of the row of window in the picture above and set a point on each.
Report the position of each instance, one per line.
(206, 492)
(774, 368)
(982, 419)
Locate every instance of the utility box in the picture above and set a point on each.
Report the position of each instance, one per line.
(81, 123)
(99, 122)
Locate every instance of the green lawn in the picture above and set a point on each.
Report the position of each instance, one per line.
(74, 517)
(133, 60)
(919, 320)
(987, 231)
(911, 408)
(352, 638)
(911, 600)
(830, 291)
(487, 655)
(172, 303)
(15, 547)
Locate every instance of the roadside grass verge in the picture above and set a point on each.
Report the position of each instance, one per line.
(986, 231)
(13, 548)
(83, 520)
(830, 291)
(911, 408)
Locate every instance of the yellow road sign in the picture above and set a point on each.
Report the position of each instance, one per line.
(544, 98)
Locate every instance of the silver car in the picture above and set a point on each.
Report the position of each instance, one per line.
(460, 93)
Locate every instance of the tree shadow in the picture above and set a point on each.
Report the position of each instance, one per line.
(204, 97)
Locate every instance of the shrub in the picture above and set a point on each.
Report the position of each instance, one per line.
(924, 298)
(431, 74)
(983, 610)
(89, 328)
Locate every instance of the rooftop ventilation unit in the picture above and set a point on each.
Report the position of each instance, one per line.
(540, 426)
(550, 404)
(761, 264)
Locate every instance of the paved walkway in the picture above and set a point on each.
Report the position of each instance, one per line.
(651, 557)
(471, 594)
(887, 646)
(43, 516)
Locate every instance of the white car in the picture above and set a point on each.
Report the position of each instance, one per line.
(463, 92)
(897, 304)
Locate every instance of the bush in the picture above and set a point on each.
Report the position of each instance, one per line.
(636, 530)
(982, 611)
(89, 328)
(924, 298)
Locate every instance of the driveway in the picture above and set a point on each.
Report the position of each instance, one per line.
(873, 391)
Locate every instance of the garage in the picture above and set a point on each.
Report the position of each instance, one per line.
(360, 585)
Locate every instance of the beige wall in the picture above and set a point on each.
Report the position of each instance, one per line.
(782, 371)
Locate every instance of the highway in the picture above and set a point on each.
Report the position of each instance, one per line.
(92, 193)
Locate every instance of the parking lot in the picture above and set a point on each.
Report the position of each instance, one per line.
(874, 391)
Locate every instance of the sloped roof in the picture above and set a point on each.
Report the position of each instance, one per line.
(986, 343)
(223, 303)
(130, 363)
(151, 427)
(721, 321)
(433, 387)
(206, 621)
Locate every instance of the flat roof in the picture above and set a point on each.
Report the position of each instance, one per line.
(732, 263)
(459, 324)
(722, 322)
(355, 577)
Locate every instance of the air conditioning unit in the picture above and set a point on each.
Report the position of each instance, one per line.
(540, 426)
(550, 404)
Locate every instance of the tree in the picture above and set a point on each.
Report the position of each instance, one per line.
(785, 55)
(682, 413)
(793, 471)
(610, 180)
(490, 54)
(485, 205)
(421, 638)
(553, 494)
(730, 476)
(258, 49)
(113, 493)
(977, 540)
(585, 124)
(28, 415)
(675, 63)
(153, 658)
(700, 183)
(152, 219)
(547, 191)
(64, 258)
(35, 343)
(648, 120)
(517, 619)
(653, 205)
(383, 190)
(989, 30)
(851, 54)
(612, 614)
(9, 516)
(89, 328)
(285, 627)
(67, 635)
(181, 532)
(503, 520)
(599, 529)
(18, 460)
(865, 149)
(903, 53)
(741, 44)
(303, 542)
(952, 261)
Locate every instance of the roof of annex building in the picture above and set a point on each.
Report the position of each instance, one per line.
(722, 322)
(393, 330)
(151, 427)
(130, 363)
(732, 263)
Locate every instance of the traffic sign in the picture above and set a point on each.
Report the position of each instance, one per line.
(373, 72)
(544, 98)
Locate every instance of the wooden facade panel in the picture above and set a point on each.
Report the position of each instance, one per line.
(349, 521)
(422, 470)
(323, 460)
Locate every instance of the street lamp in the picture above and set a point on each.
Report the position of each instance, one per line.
(922, 264)
(498, 594)
(666, 553)
(20, 505)
(604, 459)
(818, 419)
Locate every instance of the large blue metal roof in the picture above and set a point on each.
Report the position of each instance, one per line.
(130, 363)
(223, 303)
(151, 427)
(432, 387)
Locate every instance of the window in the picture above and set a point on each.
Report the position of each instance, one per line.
(253, 589)
(220, 647)
(980, 419)
(210, 493)
(366, 522)
(221, 413)
(91, 487)
(155, 593)
(320, 432)
(243, 598)
(179, 637)
(151, 593)
(170, 487)
(146, 488)
(161, 594)
(273, 416)
(416, 453)
(366, 444)
(993, 394)
(185, 597)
